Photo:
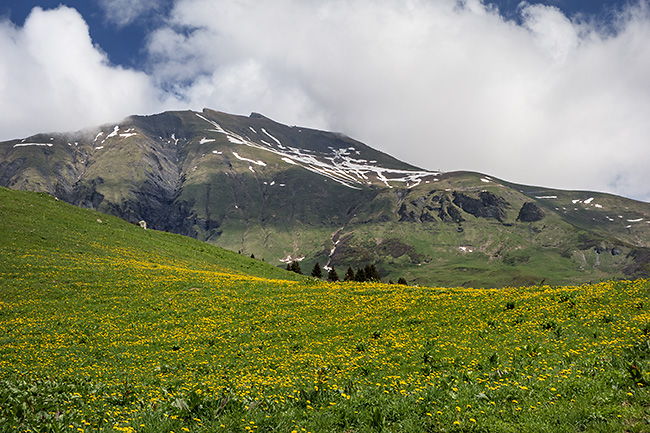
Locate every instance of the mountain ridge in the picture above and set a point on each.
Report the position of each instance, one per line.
(287, 193)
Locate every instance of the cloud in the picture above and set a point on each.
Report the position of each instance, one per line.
(52, 78)
(125, 12)
(548, 100)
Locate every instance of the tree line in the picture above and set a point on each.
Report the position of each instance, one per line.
(369, 273)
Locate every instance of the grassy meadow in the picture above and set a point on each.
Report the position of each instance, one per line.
(108, 327)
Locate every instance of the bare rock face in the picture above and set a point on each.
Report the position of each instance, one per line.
(434, 207)
(487, 205)
(530, 213)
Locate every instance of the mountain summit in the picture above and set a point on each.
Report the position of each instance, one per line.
(286, 193)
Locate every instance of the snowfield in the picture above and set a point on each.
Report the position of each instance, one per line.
(339, 165)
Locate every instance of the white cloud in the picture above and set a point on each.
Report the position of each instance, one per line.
(446, 85)
(52, 78)
(124, 12)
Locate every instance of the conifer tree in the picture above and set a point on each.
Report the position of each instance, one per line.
(332, 275)
(360, 276)
(316, 271)
(295, 267)
(349, 275)
(371, 273)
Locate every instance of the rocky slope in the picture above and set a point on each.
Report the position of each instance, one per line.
(285, 193)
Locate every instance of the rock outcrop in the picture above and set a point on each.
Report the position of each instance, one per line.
(529, 213)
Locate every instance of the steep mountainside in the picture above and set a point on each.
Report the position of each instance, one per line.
(284, 193)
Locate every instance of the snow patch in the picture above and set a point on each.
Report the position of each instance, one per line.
(99, 147)
(272, 137)
(235, 140)
(262, 163)
(127, 135)
(638, 220)
(289, 259)
(32, 144)
(206, 140)
(466, 249)
(113, 134)
(217, 128)
(589, 200)
(333, 250)
(289, 161)
(216, 152)
(485, 180)
(546, 197)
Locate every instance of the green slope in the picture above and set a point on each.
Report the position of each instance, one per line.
(56, 234)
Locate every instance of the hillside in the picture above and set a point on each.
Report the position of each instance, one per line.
(286, 193)
(107, 327)
(53, 236)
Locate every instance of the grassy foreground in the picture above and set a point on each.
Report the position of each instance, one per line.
(105, 326)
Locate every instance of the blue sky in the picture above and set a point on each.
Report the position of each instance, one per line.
(552, 93)
(124, 41)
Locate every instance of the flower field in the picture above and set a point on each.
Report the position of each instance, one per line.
(99, 336)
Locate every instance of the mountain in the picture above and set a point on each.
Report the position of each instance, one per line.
(286, 193)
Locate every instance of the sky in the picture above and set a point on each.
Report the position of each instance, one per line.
(553, 93)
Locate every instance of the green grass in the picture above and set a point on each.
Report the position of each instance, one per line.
(107, 327)
(52, 233)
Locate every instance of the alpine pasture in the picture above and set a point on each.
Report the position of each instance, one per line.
(105, 326)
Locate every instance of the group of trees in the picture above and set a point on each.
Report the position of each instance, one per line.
(369, 273)
(316, 272)
(294, 267)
